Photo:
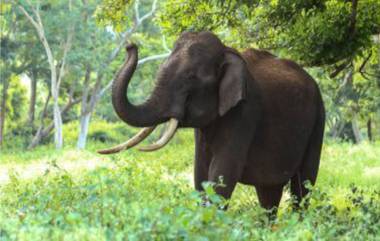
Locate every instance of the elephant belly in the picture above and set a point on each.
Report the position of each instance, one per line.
(276, 152)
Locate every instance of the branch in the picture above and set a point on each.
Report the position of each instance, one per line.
(43, 132)
(124, 39)
(365, 62)
(125, 36)
(137, 14)
(364, 74)
(30, 18)
(340, 68)
(116, 51)
(44, 111)
(97, 92)
(347, 77)
(367, 76)
(140, 62)
(153, 57)
(41, 34)
(65, 51)
(164, 44)
(147, 15)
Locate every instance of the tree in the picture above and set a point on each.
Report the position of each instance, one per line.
(56, 72)
(92, 93)
(10, 65)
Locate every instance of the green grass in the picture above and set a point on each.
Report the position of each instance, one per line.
(149, 196)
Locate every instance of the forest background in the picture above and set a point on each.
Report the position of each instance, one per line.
(58, 60)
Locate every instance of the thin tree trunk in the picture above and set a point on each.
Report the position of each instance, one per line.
(2, 109)
(32, 100)
(45, 131)
(338, 133)
(55, 78)
(58, 135)
(84, 124)
(37, 137)
(85, 113)
(356, 130)
(369, 129)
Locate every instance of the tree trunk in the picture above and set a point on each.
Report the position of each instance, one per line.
(45, 131)
(32, 101)
(369, 129)
(41, 134)
(85, 114)
(356, 130)
(337, 129)
(2, 109)
(58, 136)
(83, 130)
(55, 79)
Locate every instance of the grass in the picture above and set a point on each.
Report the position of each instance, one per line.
(149, 196)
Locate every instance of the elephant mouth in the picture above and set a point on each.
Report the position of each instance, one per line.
(178, 119)
(143, 134)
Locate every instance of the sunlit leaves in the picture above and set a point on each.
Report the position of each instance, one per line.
(112, 12)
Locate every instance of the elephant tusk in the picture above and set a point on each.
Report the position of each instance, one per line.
(136, 139)
(165, 138)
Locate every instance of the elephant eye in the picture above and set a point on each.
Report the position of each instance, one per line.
(190, 75)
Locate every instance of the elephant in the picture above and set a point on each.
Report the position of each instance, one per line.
(258, 119)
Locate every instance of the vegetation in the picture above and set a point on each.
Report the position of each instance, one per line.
(58, 59)
(144, 197)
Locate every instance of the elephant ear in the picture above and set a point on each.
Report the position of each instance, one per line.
(232, 88)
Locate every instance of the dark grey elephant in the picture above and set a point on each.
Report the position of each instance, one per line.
(258, 119)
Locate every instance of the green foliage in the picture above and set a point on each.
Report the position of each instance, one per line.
(16, 104)
(313, 32)
(150, 196)
(16, 99)
(112, 12)
(322, 32)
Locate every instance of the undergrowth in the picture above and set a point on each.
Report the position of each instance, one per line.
(149, 196)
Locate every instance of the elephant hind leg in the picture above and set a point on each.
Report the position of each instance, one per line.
(298, 189)
(269, 198)
(309, 168)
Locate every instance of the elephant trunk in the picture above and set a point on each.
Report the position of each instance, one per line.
(142, 115)
(145, 115)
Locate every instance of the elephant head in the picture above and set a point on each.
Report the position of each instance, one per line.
(199, 82)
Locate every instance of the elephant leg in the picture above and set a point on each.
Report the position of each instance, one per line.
(226, 170)
(230, 144)
(269, 198)
(202, 162)
(298, 189)
(309, 169)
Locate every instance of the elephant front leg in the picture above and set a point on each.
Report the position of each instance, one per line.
(225, 172)
(202, 160)
(230, 146)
